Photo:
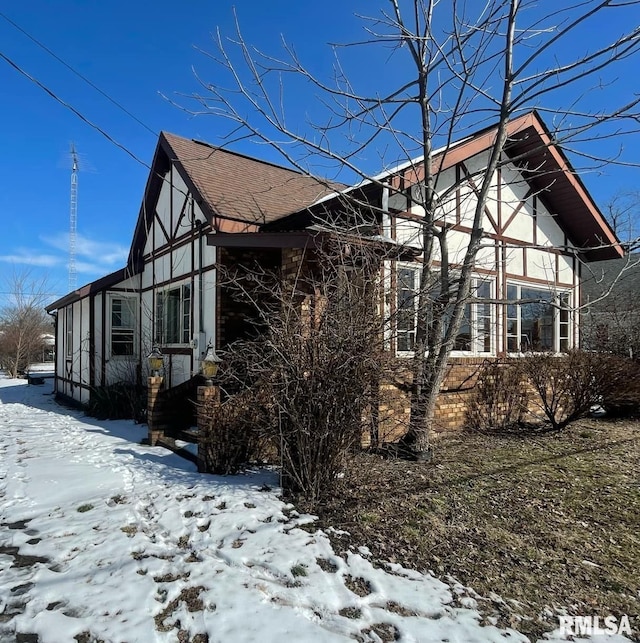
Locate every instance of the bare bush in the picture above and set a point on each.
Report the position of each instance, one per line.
(622, 395)
(500, 397)
(567, 386)
(317, 358)
(236, 432)
(122, 400)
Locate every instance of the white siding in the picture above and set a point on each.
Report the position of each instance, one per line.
(549, 232)
(565, 269)
(522, 226)
(541, 265)
(98, 333)
(409, 233)
(181, 261)
(515, 261)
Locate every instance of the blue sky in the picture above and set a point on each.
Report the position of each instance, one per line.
(135, 52)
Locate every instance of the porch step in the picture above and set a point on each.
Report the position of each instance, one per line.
(170, 443)
(189, 435)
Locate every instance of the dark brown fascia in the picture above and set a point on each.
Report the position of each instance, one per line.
(304, 239)
(91, 288)
(530, 141)
(150, 195)
(295, 239)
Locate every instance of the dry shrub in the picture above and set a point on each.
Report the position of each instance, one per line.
(316, 359)
(621, 397)
(235, 432)
(567, 386)
(325, 358)
(500, 397)
(321, 390)
(121, 400)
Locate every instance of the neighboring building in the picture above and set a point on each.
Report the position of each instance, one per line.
(610, 319)
(204, 208)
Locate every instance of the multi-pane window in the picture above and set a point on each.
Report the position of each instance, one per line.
(484, 317)
(407, 302)
(474, 334)
(69, 331)
(539, 321)
(173, 315)
(564, 315)
(123, 326)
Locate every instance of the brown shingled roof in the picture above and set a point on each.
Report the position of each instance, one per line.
(243, 188)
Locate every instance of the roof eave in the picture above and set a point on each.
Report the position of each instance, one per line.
(91, 288)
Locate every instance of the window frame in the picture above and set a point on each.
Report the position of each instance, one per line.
(411, 311)
(128, 329)
(562, 318)
(176, 331)
(68, 330)
(474, 317)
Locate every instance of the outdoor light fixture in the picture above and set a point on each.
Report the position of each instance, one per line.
(210, 364)
(156, 361)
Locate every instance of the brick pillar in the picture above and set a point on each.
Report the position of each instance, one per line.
(205, 393)
(155, 422)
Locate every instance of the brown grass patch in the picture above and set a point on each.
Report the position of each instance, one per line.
(357, 585)
(190, 596)
(548, 520)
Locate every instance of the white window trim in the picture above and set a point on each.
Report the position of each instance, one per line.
(557, 292)
(404, 266)
(162, 292)
(475, 340)
(133, 301)
(68, 332)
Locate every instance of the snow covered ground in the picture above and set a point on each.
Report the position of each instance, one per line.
(102, 538)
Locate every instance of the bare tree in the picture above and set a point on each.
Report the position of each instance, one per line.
(623, 211)
(23, 323)
(454, 67)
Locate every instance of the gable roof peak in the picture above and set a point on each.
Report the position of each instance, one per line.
(217, 148)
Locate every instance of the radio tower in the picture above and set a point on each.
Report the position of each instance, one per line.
(73, 218)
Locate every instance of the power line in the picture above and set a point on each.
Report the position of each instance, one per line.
(87, 121)
(28, 294)
(74, 110)
(78, 74)
(90, 123)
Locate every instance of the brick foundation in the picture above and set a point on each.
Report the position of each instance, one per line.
(452, 404)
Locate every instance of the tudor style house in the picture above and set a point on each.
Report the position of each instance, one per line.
(206, 207)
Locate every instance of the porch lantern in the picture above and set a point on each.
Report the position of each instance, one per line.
(156, 361)
(210, 364)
